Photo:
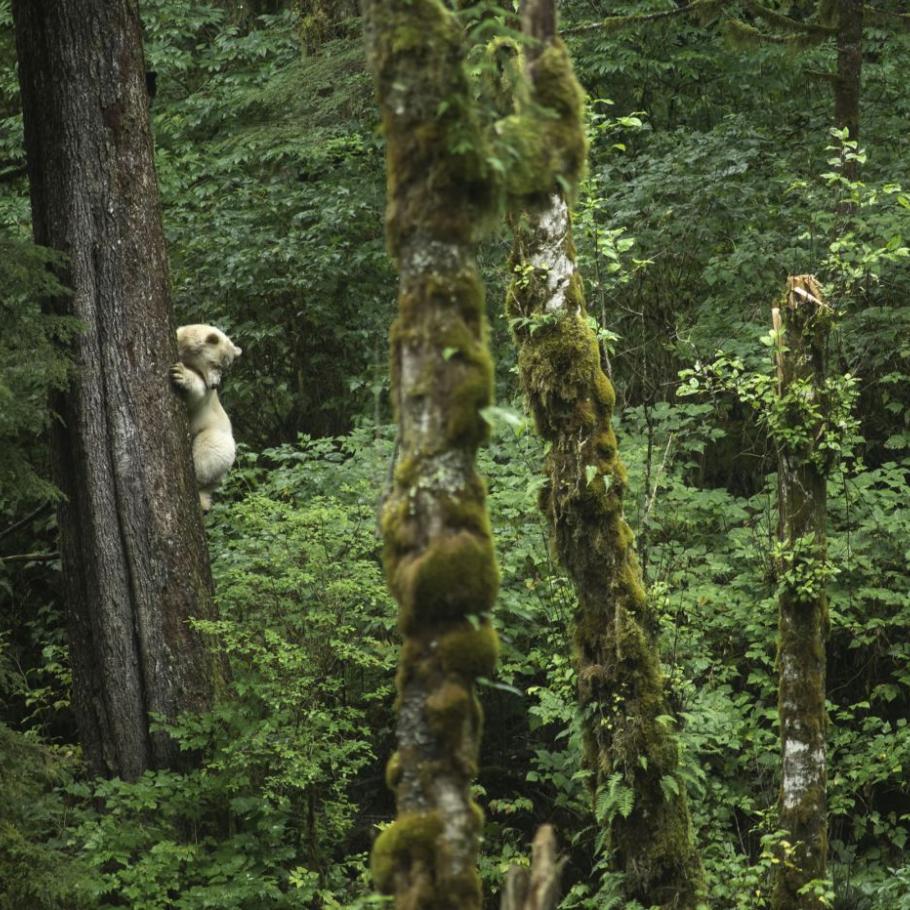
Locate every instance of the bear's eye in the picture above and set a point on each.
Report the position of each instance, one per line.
(212, 339)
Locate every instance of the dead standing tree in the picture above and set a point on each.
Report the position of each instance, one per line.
(135, 564)
(631, 751)
(438, 548)
(802, 323)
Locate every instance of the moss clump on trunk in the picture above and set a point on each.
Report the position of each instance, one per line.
(437, 544)
(621, 689)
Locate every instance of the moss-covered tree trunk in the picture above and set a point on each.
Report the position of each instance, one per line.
(802, 324)
(631, 750)
(438, 549)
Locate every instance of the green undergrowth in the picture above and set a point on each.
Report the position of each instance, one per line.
(290, 795)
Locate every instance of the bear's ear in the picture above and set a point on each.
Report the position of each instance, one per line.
(212, 339)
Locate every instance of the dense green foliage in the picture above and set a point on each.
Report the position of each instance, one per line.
(713, 175)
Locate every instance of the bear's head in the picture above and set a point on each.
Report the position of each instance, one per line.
(207, 351)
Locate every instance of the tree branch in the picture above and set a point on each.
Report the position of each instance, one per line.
(30, 557)
(24, 521)
(794, 26)
(614, 23)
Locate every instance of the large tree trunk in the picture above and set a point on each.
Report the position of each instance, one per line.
(621, 690)
(134, 555)
(802, 323)
(438, 549)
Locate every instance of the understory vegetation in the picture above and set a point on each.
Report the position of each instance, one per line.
(714, 173)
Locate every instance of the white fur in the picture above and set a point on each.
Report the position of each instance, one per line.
(205, 353)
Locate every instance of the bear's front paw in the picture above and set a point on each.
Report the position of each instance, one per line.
(180, 376)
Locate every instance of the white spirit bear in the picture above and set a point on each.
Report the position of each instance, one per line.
(205, 353)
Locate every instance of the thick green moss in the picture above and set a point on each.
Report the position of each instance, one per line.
(504, 83)
(470, 394)
(544, 142)
(447, 295)
(393, 771)
(416, 53)
(470, 652)
(456, 575)
(450, 711)
(559, 370)
(604, 392)
(415, 843)
(556, 88)
(411, 838)
(468, 512)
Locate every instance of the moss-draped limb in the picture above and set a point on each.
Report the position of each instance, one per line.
(801, 325)
(621, 689)
(438, 547)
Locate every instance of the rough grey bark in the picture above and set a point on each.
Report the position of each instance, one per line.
(135, 562)
(438, 548)
(847, 84)
(802, 322)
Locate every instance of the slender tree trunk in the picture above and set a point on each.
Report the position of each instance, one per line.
(630, 749)
(134, 556)
(849, 73)
(802, 323)
(438, 549)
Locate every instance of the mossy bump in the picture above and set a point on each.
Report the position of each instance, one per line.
(456, 575)
(411, 836)
(470, 652)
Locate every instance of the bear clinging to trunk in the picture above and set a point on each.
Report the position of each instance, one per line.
(205, 353)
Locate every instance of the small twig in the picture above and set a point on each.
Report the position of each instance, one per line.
(30, 557)
(24, 521)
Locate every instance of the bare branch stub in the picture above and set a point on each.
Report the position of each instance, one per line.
(536, 888)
